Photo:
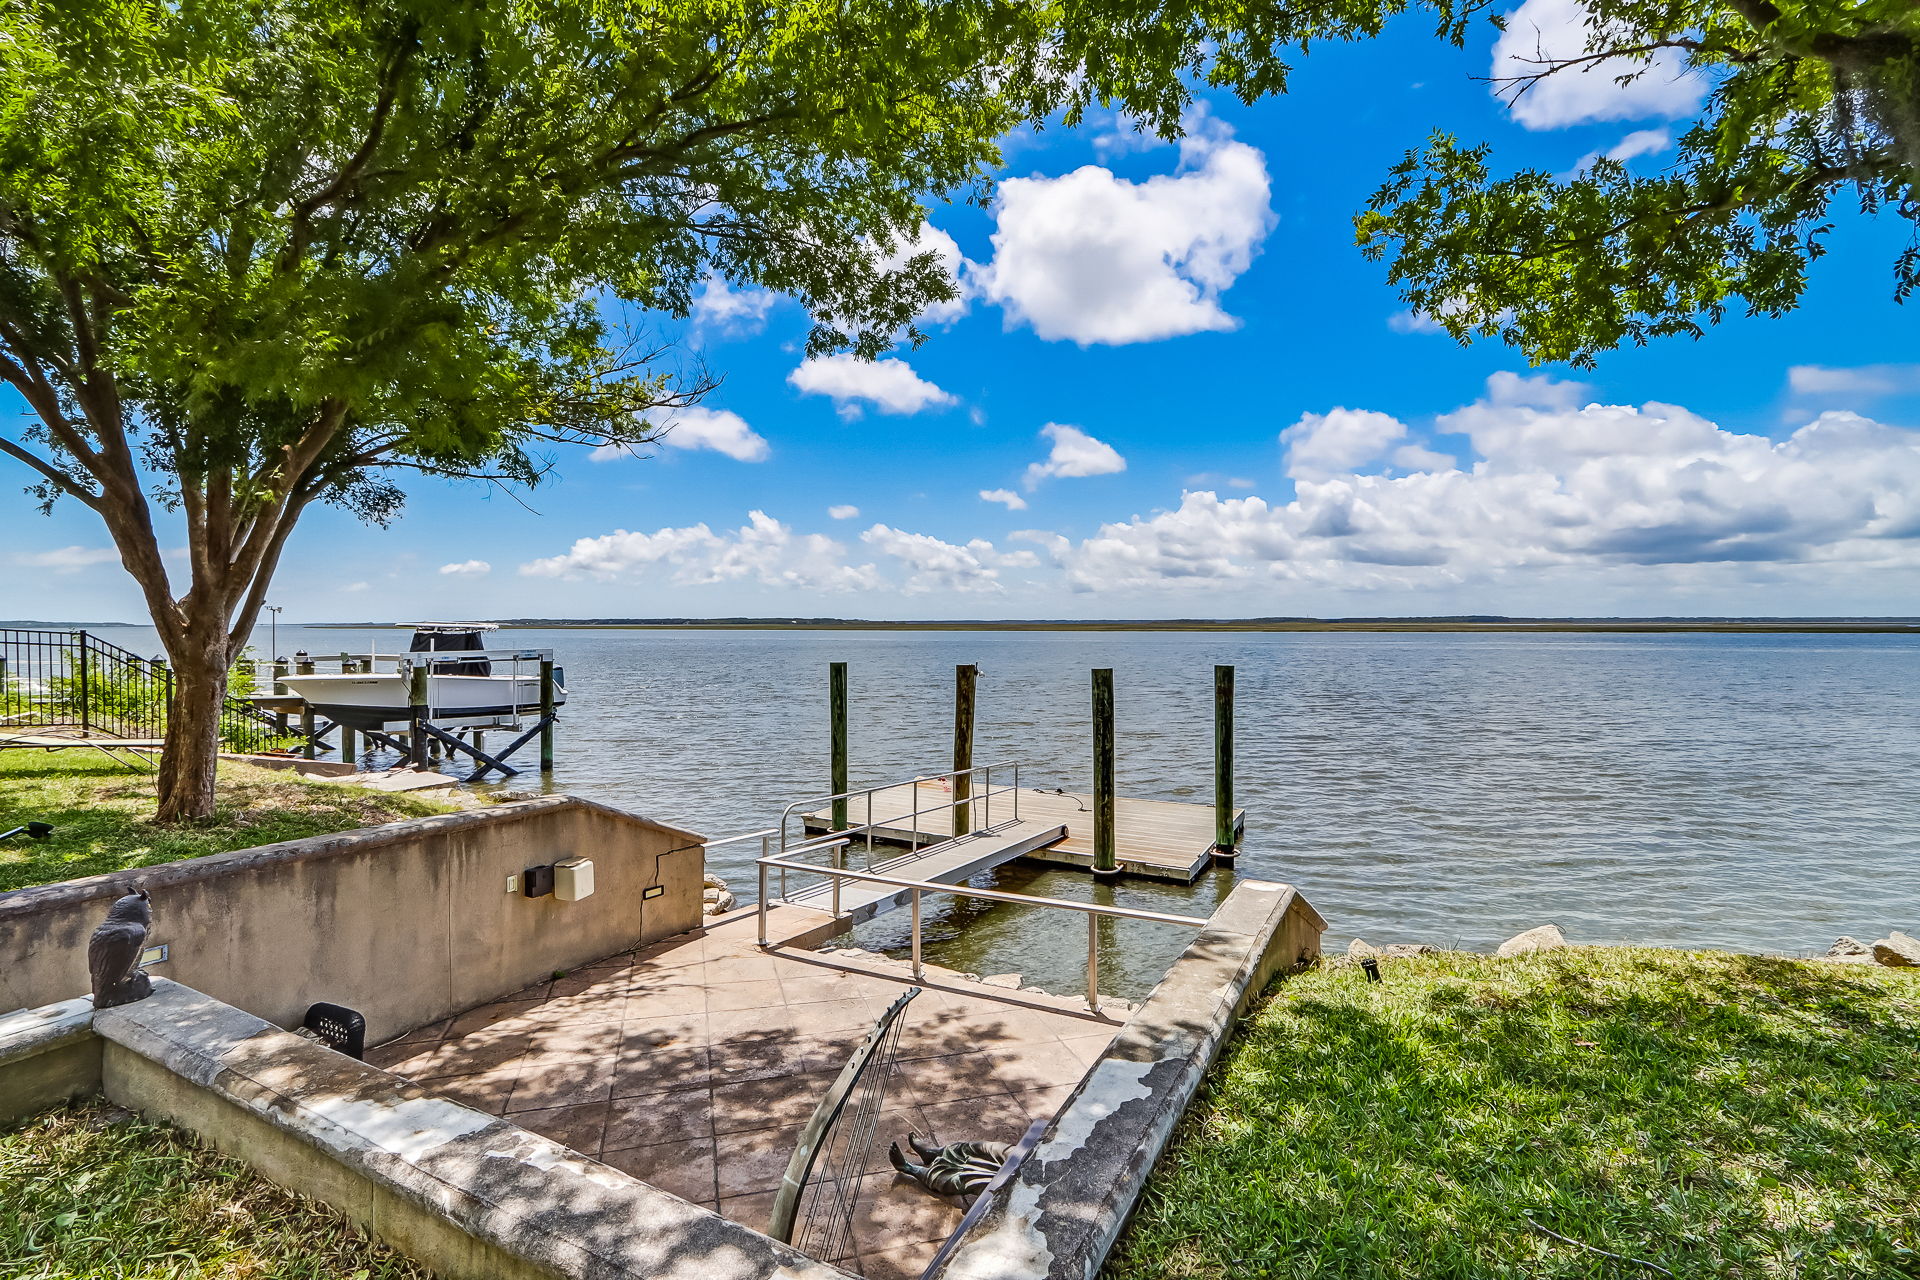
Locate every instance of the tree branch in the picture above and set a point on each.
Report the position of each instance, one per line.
(391, 78)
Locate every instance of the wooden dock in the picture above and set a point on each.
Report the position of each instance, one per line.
(1158, 839)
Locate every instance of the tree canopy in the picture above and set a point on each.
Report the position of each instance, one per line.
(1810, 105)
(261, 254)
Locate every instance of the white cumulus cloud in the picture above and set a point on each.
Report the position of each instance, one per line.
(1093, 258)
(1560, 485)
(467, 569)
(1322, 443)
(763, 551)
(722, 310)
(1641, 142)
(698, 427)
(1861, 380)
(954, 263)
(889, 385)
(844, 511)
(66, 559)
(1542, 31)
(1074, 453)
(1005, 497)
(936, 565)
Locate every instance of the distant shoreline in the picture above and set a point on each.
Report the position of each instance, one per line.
(1223, 626)
(1756, 626)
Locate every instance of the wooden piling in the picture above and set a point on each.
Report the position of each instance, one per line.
(280, 672)
(964, 679)
(1103, 858)
(546, 715)
(347, 744)
(306, 730)
(417, 715)
(837, 730)
(1225, 838)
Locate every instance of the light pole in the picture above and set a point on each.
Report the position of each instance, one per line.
(273, 631)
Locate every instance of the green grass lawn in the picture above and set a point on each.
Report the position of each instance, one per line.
(103, 815)
(1715, 1115)
(93, 1191)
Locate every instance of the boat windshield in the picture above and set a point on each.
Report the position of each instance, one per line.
(448, 640)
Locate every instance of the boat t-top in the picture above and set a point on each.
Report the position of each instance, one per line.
(467, 683)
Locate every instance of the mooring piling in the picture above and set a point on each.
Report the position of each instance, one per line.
(348, 744)
(837, 730)
(965, 677)
(1103, 857)
(1225, 838)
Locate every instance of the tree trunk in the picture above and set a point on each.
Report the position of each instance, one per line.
(192, 749)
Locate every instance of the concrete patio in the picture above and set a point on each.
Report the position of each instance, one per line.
(691, 1064)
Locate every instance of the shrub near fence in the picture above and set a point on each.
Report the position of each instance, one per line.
(71, 681)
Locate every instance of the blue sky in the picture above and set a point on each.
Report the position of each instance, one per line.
(1193, 397)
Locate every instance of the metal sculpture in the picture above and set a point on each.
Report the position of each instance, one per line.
(813, 1209)
(957, 1169)
(113, 953)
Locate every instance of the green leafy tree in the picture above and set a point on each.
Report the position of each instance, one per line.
(1810, 104)
(257, 255)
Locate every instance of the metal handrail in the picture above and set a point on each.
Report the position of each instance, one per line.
(984, 798)
(751, 835)
(925, 777)
(1092, 910)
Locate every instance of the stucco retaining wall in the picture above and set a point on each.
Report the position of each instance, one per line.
(408, 922)
(1061, 1212)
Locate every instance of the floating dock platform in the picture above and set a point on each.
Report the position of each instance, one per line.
(1157, 839)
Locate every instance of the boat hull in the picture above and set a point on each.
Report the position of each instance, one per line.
(378, 700)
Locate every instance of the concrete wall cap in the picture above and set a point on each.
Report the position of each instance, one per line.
(26, 1032)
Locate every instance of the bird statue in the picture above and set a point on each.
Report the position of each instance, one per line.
(113, 953)
(957, 1169)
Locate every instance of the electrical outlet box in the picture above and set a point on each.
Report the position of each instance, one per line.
(573, 879)
(513, 884)
(536, 882)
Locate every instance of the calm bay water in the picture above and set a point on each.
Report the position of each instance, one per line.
(1737, 791)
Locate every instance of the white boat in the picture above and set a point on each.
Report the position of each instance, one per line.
(471, 684)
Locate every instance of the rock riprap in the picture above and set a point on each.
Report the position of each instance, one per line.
(1847, 950)
(1546, 937)
(1899, 950)
(715, 897)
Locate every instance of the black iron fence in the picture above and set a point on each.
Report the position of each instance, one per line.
(74, 684)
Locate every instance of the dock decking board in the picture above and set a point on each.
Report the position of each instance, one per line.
(1159, 839)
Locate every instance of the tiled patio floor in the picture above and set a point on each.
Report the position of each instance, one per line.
(693, 1063)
